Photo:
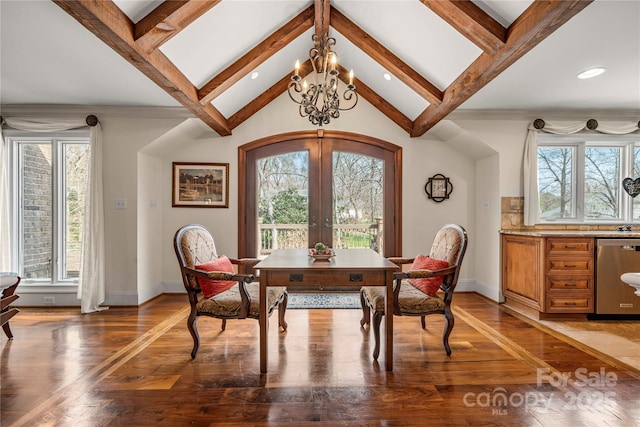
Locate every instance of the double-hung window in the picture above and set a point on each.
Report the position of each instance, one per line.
(580, 178)
(49, 175)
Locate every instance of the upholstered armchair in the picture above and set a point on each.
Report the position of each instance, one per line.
(427, 288)
(215, 288)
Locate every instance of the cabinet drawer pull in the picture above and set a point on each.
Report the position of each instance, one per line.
(570, 246)
(569, 303)
(570, 265)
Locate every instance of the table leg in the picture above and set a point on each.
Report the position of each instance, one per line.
(388, 320)
(263, 320)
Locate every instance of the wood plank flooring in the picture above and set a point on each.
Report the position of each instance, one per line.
(131, 367)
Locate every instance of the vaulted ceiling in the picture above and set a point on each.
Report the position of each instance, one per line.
(140, 43)
(436, 54)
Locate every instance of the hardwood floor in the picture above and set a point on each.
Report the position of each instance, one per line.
(131, 366)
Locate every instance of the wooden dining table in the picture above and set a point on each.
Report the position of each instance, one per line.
(349, 267)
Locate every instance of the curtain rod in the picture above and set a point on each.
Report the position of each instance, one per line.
(592, 124)
(91, 120)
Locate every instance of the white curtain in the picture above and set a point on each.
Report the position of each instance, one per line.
(530, 161)
(91, 285)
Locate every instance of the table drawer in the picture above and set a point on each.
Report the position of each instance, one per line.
(325, 278)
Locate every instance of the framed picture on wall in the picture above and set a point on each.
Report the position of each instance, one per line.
(200, 185)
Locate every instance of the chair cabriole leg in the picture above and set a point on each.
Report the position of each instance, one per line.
(191, 325)
(366, 316)
(377, 319)
(448, 327)
(282, 309)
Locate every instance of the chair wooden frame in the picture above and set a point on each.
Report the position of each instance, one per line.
(8, 296)
(450, 274)
(244, 277)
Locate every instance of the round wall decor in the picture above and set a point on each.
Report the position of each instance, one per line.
(438, 188)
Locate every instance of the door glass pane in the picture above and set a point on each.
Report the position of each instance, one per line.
(358, 201)
(555, 182)
(75, 158)
(36, 213)
(601, 182)
(283, 202)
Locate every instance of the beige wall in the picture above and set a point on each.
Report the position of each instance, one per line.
(482, 159)
(422, 158)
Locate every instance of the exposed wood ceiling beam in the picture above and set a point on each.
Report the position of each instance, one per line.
(267, 96)
(472, 22)
(138, 44)
(256, 56)
(105, 20)
(385, 58)
(167, 20)
(322, 16)
(376, 100)
(534, 25)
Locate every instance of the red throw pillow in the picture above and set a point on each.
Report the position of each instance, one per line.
(429, 285)
(214, 287)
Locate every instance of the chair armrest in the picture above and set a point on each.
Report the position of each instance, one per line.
(220, 275)
(400, 261)
(421, 274)
(245, 265)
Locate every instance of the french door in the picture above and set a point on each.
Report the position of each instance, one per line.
(333, 187)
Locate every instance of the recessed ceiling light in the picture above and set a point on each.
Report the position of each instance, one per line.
(254, 75)
(593, 72)
(387, 76)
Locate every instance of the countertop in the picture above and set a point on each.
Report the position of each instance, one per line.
(575, 233)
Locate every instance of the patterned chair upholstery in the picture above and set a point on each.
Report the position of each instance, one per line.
(194, 245)
(449, 244)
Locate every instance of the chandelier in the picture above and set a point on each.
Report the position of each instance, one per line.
(321, 101)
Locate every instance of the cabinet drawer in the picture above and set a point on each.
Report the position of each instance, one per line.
(566, 265)
(569, 303)
(566, 246)
(564, 283)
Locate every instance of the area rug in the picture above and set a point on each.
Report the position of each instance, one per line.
(333, 300)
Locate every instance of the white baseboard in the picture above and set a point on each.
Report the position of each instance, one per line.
(490, 291)
(66, 296)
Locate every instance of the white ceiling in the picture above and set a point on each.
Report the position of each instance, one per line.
(47, 57)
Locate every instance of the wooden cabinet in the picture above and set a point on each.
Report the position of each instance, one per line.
(569, 275)
(548, 275)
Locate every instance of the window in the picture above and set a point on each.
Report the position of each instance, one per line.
(580, 178)
(49, 177)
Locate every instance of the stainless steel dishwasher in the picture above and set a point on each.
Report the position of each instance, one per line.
(614, 298)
